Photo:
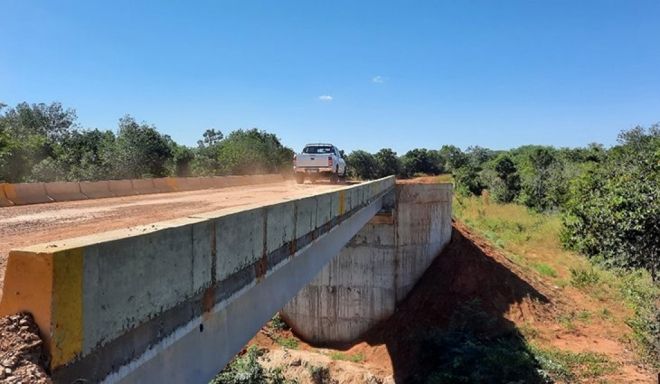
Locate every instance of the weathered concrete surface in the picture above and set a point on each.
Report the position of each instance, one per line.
(26, 193)
(4, 201)
(64, 191)
(203, 346)
(96, 189)
(143, 186)
(121, 187)
(376, 269)
(130, 302)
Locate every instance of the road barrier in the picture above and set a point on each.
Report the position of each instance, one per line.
(96, 189)
(4, 201)
(166, 184)
(35, 193)
(121, 187)
(143, 186)
(27, 193)
(65, 191)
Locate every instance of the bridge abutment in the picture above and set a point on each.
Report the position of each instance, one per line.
(377, 268)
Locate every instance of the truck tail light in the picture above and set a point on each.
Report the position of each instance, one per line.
(329, 161)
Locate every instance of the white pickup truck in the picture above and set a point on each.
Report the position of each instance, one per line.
(319, 160)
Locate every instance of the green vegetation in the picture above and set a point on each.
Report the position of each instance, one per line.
(246, 369)
(545, 270)
(363, 165)
(319, 375)
(472, 350)
(354, 357)
(569, 366)
(531, 239)
(278, 323)
(287, 342)
(583, 278)
(609, 199)
(41, 142)
(613, 209)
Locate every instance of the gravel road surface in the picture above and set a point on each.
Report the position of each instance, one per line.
(40, 223)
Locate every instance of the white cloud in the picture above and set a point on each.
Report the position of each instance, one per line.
(326, 98)
(378, 79)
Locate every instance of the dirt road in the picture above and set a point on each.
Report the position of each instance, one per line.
(40, 223)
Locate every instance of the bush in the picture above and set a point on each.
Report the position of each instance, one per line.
(614, 208)
(246, 369)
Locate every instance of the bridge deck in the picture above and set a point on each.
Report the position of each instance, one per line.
(33, 224)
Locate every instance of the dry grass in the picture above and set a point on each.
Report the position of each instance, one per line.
(530, 239)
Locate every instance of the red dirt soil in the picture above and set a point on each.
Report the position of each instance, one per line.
(21, 352)
(471, 268)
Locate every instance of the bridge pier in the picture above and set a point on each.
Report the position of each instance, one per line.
(376, 269)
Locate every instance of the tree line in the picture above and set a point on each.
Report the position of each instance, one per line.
(608, 198)
(44, 142)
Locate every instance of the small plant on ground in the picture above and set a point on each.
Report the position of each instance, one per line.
(246, 369)
(584, 278)
(570, 366)
(642, 295)
(278, 323)
(545, 270)
(354, 357)
(320, 375)
(277, 377)
(287, 342)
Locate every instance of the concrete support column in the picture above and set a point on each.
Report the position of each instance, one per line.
(377, 268)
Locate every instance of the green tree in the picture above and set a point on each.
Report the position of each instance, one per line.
(362, 165)
(467, 180)
(544, 185)
(614, 207)
(387, 163)
(453, 157)
(242, 152)
(502, 179)
(30, 134)
(141, 150)
(210, 137)
(421, 160)
(182, 158)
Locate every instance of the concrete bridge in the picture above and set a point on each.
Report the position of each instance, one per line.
(176, 300)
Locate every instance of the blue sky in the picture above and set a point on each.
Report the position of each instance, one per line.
(361, 74)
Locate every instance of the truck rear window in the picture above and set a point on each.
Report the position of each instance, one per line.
(314, 149)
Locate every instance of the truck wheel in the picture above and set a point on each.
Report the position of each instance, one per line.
(300, 178)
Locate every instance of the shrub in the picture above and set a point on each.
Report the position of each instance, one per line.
(614, 209)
